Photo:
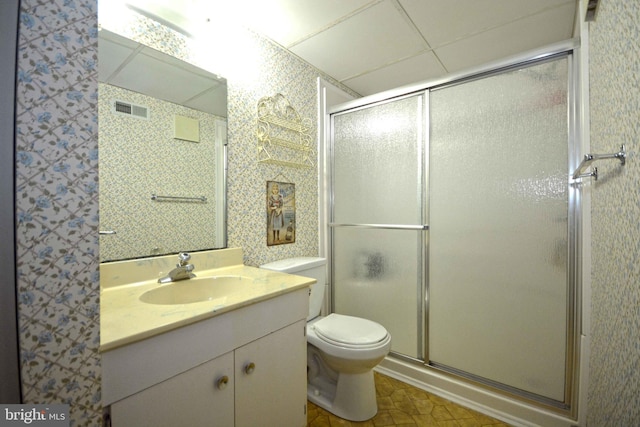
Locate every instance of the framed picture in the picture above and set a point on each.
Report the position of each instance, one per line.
(281, 213)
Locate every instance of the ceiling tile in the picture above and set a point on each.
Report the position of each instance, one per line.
(213, 100)
(128, 65)
(371, 45)
(110, 56)
(416, 69)
(155, 76)
(289, 21)
(520, 36)
(374, 37)
(443, 22)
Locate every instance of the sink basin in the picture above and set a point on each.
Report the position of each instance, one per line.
(198, 289)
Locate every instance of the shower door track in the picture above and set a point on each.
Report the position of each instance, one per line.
(498, 387)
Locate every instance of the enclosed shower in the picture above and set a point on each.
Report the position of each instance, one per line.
(453, 223)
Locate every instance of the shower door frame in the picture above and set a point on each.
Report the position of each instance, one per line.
(421, 306)
(568, 49)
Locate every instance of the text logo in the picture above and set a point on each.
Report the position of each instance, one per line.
(54, 415)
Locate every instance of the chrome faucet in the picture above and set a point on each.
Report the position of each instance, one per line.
(182, 271)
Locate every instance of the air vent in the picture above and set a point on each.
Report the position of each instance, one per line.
(129, 109)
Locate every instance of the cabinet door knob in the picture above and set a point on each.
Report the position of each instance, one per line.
(249, 368)
(222, 382)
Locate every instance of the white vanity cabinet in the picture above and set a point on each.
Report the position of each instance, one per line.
(267, 394)
(202, 396)
(243, 368)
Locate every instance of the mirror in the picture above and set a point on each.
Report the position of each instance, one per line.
(162, 140)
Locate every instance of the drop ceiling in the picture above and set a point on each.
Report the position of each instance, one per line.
(133, 66)
(375, 45)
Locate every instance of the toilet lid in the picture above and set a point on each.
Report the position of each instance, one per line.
(349, 330)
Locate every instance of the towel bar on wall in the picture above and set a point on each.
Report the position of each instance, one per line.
(157, 198)
(590, 158)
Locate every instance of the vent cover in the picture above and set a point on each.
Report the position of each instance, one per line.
(129, 109)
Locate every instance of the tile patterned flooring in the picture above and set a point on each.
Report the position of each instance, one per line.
(400, 404)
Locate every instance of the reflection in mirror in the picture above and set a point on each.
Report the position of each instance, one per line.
(162, 132)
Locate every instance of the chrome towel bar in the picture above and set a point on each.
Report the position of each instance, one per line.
(157, 198)
(590, 158)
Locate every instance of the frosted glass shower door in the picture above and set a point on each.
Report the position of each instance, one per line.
(377, 233)
(498, 216)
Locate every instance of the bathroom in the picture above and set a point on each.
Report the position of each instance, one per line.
(57, 207)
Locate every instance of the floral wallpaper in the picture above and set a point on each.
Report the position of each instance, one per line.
(273, 71)
(57, 210)
(247, 206)
(57, 206)
(140, 157)
(57, 199)
(614, 383)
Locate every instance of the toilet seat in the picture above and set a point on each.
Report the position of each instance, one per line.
(350, 332)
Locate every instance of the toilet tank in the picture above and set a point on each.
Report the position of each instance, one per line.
(313, 267)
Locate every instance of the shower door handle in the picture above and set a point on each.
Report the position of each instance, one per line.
(418, 227)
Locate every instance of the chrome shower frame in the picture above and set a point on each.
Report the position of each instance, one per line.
(570, 50)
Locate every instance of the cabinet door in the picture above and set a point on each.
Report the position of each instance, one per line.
(271, 379)
(197, 397)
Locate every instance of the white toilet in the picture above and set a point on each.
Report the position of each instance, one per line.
(341, 350)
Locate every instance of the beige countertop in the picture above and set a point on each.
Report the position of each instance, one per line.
(125, 319)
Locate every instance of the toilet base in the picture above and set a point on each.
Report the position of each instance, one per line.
(349, 396)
